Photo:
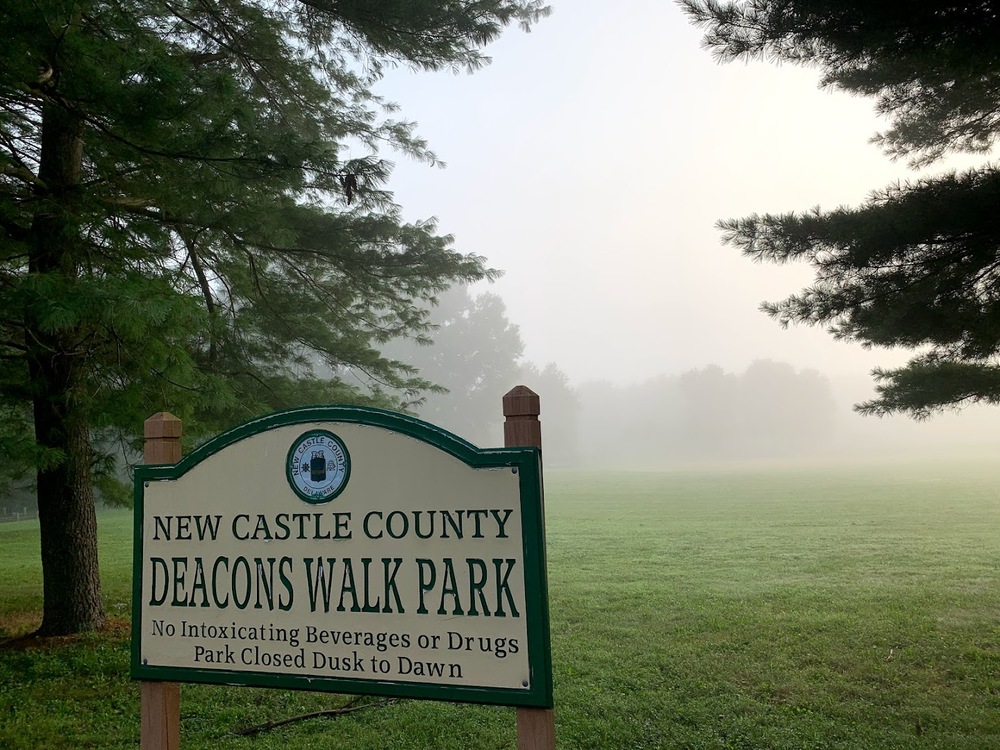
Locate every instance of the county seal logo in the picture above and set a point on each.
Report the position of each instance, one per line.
(318, 466)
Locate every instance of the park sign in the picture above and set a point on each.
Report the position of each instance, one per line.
(349, 550)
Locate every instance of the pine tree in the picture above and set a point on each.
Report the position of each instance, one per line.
(180, 224)
(918, 264)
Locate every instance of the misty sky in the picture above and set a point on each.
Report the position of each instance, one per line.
(590, 162)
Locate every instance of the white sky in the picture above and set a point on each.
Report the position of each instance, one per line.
(590, 162)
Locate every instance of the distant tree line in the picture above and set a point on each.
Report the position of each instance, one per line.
(770, 411)
(476, 354)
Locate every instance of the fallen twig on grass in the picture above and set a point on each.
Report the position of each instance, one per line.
(350, 707)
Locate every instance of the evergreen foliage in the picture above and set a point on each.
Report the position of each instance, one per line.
(183, 225)
(917, 264)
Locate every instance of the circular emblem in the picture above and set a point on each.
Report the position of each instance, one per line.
(318, 466)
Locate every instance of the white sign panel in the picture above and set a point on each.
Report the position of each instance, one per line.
(365, 553)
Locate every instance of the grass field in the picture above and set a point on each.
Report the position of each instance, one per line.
(851, 608)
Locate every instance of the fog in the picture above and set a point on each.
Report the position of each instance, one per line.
(769, 412)
(590, 163)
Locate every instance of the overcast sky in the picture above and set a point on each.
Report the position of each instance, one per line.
(590, 162)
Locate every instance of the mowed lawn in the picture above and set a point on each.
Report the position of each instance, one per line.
(778, 608)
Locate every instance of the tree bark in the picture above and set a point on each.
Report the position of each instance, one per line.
(67, 518)
(56, 359)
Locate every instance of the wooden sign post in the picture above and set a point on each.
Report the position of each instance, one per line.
(160, 712)
(536, 729)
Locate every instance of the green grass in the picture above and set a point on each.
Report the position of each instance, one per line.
(819, 608)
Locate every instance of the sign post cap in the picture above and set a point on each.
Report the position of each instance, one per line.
(162, 425)
(521, 401)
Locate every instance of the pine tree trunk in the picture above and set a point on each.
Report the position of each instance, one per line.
(56, 358)
(68, 522)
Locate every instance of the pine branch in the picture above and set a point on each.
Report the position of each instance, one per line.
(21, 173)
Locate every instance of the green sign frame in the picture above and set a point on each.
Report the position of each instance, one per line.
(525, 461)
